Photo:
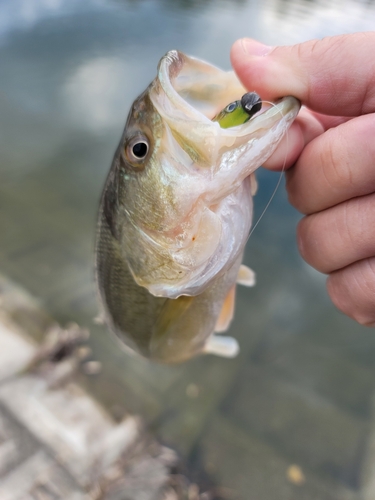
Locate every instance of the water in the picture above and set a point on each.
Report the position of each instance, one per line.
(301, 391)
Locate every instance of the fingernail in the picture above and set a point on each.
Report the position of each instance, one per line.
(254, 48)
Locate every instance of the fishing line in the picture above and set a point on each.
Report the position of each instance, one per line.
(280, 176)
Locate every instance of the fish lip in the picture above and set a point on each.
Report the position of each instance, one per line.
(169, 68)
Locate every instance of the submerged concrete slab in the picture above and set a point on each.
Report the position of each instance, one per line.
(56, 441)
(15, 351)
(82, 437)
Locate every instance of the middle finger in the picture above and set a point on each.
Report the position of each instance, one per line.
(335, 166)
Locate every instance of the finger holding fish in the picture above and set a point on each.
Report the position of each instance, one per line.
(331, 92)
(302, 131)
(334, 167)
(337, 237)
(333, 76)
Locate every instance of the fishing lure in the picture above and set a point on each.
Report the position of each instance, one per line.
(240, 111)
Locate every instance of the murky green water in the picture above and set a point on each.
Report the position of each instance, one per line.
(301, 391)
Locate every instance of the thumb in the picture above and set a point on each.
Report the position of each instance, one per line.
(333, 76)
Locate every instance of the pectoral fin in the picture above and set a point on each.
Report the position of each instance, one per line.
(227, 311)
(246, 276)
(226, 347)
(254, 184)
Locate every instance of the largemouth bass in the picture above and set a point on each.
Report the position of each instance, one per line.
(176, 211)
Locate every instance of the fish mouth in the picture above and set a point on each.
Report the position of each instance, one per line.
(197, 88)
(188, 93)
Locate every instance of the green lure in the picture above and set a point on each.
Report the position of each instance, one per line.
(239, 112)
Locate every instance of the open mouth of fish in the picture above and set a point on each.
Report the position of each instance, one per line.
(190, 92)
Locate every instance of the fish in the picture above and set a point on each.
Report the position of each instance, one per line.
(176, 211)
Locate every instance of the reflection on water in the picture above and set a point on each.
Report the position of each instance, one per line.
(301, 391)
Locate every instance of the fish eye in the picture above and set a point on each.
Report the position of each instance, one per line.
(137, 149)
(231, 107)
(140, 150)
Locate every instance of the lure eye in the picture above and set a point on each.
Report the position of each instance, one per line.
(231, 107)
(137, 149)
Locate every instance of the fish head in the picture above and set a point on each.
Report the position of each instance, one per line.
(178, 197)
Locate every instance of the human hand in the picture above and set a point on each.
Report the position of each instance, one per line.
(331, 152)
